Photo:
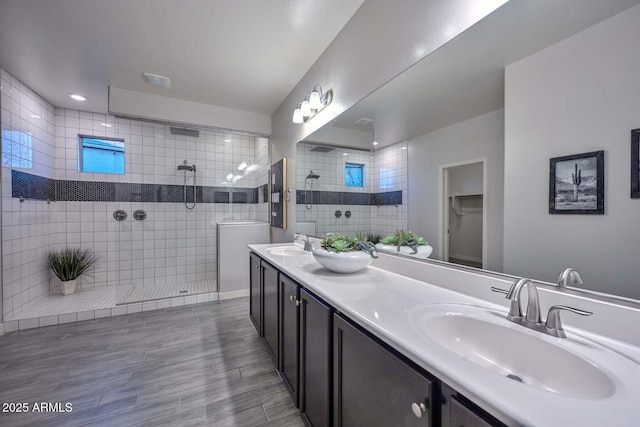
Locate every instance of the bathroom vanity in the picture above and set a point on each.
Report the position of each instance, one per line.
(379, 348)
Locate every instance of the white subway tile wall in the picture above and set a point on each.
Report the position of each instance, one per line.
(172, 245)
(390, 174)
(384, 170)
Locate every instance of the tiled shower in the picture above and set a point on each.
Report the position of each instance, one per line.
(379, 207)
(47, 204)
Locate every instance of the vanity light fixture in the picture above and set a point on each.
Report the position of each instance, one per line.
(77, 97)
(312, 104)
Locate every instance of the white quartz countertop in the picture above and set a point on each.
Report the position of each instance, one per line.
(386, 304)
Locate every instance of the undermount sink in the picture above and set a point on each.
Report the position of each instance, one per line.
(486, 339)
(287, 251)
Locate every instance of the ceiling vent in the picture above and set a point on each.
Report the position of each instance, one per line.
(321, 149)
(156, 80)
(184, 132)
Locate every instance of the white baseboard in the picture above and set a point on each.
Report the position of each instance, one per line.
(465, 257)
(233, 294)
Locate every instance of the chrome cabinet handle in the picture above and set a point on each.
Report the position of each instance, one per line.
(418, 409)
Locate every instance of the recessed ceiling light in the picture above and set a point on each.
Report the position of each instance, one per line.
(107, 125)
(227, 140)
(345, 154)
(35, 116)
(375, 142)
(78, 97)
(404, 148)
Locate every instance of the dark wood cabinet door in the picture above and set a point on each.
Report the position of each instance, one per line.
(255, 292)
(270, 308)
(457, 411)
(289, 335)
(315, 361)
(373, 387)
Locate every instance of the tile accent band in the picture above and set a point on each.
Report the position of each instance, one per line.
(36, 187)
(347, 198)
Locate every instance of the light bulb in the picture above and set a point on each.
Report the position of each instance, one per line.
(315, 103)
(297, 115)
(305, 108)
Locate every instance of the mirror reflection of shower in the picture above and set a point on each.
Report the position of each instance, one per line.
(191, 168)
(309, 201)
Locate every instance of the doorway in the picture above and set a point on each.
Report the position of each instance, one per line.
(462, 212)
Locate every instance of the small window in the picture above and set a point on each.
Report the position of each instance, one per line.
(101, 155)
(353, 175)
(17, 149)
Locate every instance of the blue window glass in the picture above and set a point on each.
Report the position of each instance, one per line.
(353, 175)
(17, 149)
(101, 155)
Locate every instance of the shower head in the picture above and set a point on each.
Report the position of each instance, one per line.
(312, 175)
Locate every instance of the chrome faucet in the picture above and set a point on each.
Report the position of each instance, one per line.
(569, 277)
(531, 319)
(307, 245)
(532, 315)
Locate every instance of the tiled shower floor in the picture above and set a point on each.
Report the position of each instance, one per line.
(109, 297)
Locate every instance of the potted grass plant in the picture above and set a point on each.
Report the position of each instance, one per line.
(345, 254)
(405, 242)
(68, 264)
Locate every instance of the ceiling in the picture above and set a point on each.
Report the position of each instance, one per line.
(465, 77)
(246, 55)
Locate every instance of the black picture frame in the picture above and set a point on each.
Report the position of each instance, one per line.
(585, 198)
(635, 164)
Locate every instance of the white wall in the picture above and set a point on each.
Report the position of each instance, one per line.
(480, 137)
(147, 106)
(579, 95)
(380, 41)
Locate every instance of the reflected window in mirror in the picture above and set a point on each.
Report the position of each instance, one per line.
(353, 175)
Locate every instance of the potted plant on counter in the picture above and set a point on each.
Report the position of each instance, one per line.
(344, 254)
(405, 242)
(68, 264)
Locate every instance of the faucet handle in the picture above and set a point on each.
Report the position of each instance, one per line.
(554, 324)
(296, 237)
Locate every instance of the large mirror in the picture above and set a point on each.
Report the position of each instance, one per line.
(468, 133)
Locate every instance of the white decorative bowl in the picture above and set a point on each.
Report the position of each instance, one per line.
(423, 251)
(344, 262)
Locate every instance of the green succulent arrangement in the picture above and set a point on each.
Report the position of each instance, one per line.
(339, 243)
(70, 263)
(404, 238)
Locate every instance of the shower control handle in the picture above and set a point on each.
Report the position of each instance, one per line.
(139, 215)
(119, 215)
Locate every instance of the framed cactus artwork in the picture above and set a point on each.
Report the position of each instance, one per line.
(576, 184)
(635, 164)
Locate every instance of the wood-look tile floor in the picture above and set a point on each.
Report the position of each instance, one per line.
(199, 365)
